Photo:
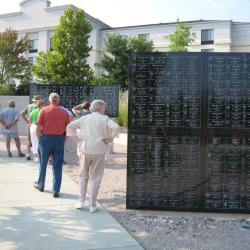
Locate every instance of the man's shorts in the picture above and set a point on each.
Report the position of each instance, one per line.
(10, 135)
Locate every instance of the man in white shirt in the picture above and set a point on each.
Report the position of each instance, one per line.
(96, 131)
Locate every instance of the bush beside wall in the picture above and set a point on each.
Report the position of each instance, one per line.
(122, 118)
(7, 89)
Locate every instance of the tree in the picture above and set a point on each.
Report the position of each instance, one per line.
(67, 62)
(181, 39)
(7, 89)
(140, 44)
(13, 64)
(45, 67)
(115, 63)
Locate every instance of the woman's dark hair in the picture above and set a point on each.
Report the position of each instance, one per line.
(85, 105)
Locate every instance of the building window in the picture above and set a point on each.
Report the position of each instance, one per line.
(145, 36)
(124, 36)
(207, 36)
(207, 50)
(51, 43)
(31, 60)
(33, 46)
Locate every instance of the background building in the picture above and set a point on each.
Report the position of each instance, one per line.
(38, 20)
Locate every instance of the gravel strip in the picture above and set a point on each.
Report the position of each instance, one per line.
(165, 230)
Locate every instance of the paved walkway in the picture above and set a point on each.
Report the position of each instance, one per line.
(122, 139)
(30, 220)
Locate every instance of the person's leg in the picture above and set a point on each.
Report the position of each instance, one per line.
(96, 174)
(34, 141)
(7, 141)
(44, 149)
(57, 154)
(28, 156)
(84, 164)
(18, 145)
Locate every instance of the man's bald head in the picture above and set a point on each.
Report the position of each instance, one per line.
(12, 104)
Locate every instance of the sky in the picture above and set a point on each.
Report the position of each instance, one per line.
(118, 13)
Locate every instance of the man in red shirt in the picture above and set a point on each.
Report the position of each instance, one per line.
(51, 124)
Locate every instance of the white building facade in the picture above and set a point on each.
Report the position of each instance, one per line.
(38, 20)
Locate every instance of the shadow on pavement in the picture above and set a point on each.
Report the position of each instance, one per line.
(51, 228)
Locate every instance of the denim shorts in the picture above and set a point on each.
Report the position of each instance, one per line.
(10, 135)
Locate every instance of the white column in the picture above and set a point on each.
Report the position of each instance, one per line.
(94, 42)
(43, 43)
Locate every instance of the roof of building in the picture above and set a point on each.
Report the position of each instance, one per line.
(13, 14)
(170, 23)
(63, 7)
(55, 8)
(26, 1)
(241, 22)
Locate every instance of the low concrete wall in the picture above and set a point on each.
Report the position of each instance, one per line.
(21, 102)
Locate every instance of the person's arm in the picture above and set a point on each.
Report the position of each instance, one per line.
(68, 120)
(74, 111)
(2, 123)
(30, 118)
(39, 123)
(38, 131)
(11, 124)
(71, 116)
(73, 126)
(78, 107)
(1, 120)
(113, 131)
(23, 114)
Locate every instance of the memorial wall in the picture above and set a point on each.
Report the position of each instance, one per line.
(71, 95)
(189, 132)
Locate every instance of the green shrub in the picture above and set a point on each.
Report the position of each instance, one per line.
(122, 118)
(7, 89)
(100, 80)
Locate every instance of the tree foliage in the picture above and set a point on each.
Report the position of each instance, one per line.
(13, 64)
(114, 64)
(7, 89)
(181, 39)
(67, 62)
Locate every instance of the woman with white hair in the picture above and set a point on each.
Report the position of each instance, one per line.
(96, 131)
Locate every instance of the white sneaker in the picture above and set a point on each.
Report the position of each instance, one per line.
(36, 160)
(79, 205)
(92, 209)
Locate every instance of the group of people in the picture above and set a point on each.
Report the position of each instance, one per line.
(48, 129)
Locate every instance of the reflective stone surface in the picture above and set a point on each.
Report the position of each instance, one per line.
(189, 134)
(73, 95)
(166, 91)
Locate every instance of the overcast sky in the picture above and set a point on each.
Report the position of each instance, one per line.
(133, 12)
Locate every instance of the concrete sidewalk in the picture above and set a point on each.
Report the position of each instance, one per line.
(30, 220)
(122, 139)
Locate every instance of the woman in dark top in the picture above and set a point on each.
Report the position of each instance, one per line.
(82, 109)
